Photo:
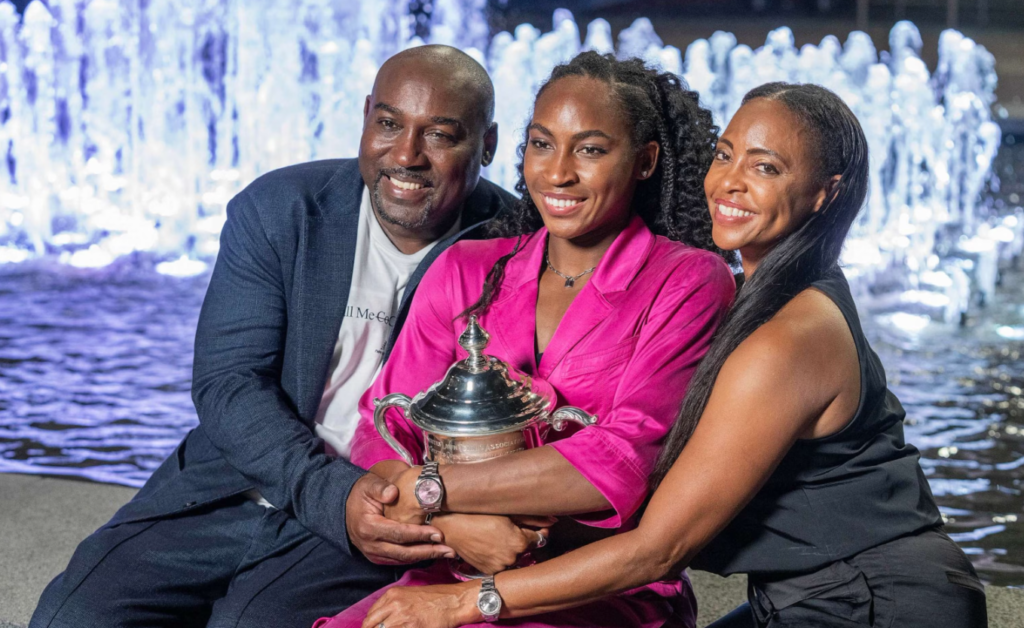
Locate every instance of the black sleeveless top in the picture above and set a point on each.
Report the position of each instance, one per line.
(833, 497)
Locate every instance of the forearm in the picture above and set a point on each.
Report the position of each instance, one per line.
(275, 451)
(597, 570)
(389, 469)
(536, 482)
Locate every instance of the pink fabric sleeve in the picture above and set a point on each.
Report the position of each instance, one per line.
(421, 356)
(618, 454)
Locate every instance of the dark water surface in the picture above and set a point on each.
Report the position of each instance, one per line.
(95, 369)
(962, 389)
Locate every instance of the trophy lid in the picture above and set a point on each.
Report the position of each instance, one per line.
(480, 394)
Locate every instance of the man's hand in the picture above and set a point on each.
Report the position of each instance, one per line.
(492, 543)
(381, 540)
(406, 508)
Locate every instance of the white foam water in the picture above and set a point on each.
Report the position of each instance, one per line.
(127, 126)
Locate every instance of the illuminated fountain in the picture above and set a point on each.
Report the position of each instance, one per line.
(129, 125)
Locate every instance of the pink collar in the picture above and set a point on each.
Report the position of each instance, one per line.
(616, 270)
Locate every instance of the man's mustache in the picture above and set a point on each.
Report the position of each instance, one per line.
(405, 174)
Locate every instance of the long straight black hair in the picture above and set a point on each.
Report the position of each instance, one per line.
(659, 107)
(797, 261)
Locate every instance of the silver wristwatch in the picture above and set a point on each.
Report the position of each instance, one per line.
(488, 602)
(429, 489)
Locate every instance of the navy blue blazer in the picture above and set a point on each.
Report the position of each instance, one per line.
(266, 333)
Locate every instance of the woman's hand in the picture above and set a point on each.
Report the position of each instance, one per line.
(492, 543)
(437, 606)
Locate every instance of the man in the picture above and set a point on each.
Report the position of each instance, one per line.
(250, 520)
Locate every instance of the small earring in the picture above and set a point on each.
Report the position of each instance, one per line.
(487, 155)
(643, 174)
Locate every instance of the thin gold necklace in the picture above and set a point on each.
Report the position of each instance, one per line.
(570, 281)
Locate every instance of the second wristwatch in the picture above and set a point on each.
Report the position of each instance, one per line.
(429, 488)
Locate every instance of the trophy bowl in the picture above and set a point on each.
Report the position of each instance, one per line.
(481, 409)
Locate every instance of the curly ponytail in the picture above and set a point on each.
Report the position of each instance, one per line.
(659, 108)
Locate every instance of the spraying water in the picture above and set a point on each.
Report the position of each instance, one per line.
(127, 126)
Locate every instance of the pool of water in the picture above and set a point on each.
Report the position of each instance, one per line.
(95, 367)
(95, 370)
(963, 389)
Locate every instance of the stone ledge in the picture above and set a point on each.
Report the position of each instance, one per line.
(45, 519)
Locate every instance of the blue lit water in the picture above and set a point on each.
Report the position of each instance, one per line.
(95, 370)
(95, 367)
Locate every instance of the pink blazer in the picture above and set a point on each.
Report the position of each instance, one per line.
(624, 351)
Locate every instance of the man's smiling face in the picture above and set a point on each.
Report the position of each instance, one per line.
(425, 132)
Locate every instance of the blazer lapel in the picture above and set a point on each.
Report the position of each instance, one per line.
(324, 273)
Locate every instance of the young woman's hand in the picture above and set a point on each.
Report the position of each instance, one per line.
(437, 606)
(492, 543)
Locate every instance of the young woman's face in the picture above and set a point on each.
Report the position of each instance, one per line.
(580, 167)
(763, 182)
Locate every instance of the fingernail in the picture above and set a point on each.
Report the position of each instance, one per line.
(435, 538)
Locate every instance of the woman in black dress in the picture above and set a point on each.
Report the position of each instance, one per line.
(795, 470)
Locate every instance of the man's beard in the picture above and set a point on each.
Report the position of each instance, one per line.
(417, 222)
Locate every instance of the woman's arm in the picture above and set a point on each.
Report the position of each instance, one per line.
(771, 391)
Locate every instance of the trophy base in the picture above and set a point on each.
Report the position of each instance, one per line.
(464, 571)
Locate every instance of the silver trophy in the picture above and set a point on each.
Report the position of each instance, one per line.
(479, 411)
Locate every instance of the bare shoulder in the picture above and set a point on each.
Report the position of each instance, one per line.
(810, 324)
(807, 345)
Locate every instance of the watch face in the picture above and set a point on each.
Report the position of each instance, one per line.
(489, 603)
(428, 491)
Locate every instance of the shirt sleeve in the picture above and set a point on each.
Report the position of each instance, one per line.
(421, 356)
(618, 454)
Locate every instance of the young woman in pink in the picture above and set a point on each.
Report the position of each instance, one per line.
(605, 283)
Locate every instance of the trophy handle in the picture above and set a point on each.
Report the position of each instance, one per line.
(570, 413)
(397, 400)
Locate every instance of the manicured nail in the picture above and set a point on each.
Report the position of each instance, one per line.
(435, 538)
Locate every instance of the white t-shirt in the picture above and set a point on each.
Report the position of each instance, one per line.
(379, 277)
(380, 274)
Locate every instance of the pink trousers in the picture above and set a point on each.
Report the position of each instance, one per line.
(640, 608)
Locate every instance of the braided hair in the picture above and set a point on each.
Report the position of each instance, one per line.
(658, 107)
(798, 260)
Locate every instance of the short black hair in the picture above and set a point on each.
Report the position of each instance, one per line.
(459, 66)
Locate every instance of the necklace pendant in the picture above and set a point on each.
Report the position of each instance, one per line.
(570, 282)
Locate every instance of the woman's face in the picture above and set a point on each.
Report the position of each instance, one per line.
(580, 167)
(763, 182)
